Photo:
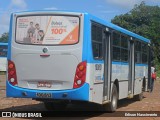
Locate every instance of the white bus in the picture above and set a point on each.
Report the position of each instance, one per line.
(3, 56)
(59, 56)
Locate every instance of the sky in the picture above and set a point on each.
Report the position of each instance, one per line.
(104, 9)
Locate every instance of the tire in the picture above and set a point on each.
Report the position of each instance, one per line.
(112, 106)
(55, 106)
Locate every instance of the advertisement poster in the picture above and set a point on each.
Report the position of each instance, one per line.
(49, 30)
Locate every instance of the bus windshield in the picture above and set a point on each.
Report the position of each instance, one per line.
(47, 30)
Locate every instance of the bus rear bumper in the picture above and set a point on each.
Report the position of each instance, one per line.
(81, 93)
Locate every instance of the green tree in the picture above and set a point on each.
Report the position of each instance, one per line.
(145, 21)
(4, 37)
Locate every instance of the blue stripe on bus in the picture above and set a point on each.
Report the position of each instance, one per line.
(10, 38)
(141, 64)
(114, 63)
(81, 93)
(86, 39)
(126, 63)
(1, 43)
(120, 63)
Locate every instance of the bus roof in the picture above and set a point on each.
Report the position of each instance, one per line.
(115, 27)
(96, 19)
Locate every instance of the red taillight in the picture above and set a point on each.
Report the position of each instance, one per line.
(12, 77)
(80, 75)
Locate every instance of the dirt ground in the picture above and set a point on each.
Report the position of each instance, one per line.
(149, 104)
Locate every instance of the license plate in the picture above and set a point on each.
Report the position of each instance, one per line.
(44, 84)
(44, 95)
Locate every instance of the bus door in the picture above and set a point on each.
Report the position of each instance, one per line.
(107, 65)
(131, 68)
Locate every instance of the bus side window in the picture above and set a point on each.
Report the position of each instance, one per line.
(138, 55)
(116, 46)
(124, 48)
(97, 38)
(144, 53)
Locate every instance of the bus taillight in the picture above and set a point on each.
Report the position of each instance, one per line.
(80, 75)
(12, 77)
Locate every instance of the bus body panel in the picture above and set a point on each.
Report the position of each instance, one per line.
(63, 61)
(59, 67)
(120, 72)
(95, 78)
(141, 72)
(54, 70)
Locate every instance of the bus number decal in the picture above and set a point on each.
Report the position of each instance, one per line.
(98, 67)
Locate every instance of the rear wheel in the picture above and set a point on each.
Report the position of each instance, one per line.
(112, 106)
(56, 106)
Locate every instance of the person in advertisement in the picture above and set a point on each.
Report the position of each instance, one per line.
(37, 29)
(30, 34)
(34, 34)
(31, 29)
(41, 34)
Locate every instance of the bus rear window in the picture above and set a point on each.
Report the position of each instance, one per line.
(47, 30)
